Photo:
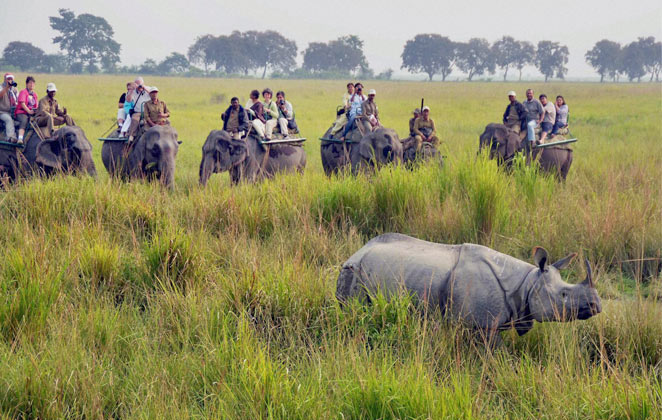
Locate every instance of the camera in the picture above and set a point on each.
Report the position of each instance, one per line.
(282, 102)
(14, 84)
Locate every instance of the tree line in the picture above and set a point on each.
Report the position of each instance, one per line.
(87, 45)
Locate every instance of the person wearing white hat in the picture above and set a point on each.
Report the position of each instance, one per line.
(515, 115)
(8, 102)
(49, 113)
(156, 111)
(370, 112)
(425, 129)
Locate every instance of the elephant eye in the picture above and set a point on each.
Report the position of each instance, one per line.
(564, 295)
(155, 149)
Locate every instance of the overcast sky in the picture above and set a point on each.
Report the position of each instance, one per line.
(154, 28)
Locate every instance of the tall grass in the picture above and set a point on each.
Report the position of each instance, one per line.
(127, 301)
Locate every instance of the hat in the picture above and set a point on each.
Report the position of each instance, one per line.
(9, 75)
(426, 108)
(417, 111)
(51, 87)
(153, 89)
(372, 92)
(512, 93)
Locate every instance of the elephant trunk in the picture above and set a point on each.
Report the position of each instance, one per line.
(206, 168)
(167, 170)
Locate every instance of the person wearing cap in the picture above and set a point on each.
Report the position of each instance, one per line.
(425, 130)
(355, 102)
(534, 116)
(49, 113)
(139, 97)
(26, 107)
(341, 121)
(286, 120)
(270, 113)
(370, 112)
(235, 120)
(8, 102)
(412, 120)
(515, 115)
(155, 110)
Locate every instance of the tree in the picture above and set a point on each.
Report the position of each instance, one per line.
(85, 38)
(53, 63)
(174, 63)
(475, 57)
(506, 52)
(149, 67)
(385, 75)
(199, 52)
(229, 53)
(633, 61)
(431, 54)
(652, 53)
(551, 58)
(23, 55)
(526, 56)
(344, 55)
(604, 57)
(270, 49)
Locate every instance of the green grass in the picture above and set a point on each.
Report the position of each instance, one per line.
(128, 301)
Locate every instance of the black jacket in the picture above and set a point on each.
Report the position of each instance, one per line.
(521, 113)
(243, 118)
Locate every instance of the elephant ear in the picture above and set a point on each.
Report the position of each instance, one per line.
(513, 144)
(367, 147)
(238, 151)
(48, 153)
(137, 155)
(211, 144)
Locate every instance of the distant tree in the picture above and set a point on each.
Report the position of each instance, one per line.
(174, 63)
(633, 61)
(270, 49)
(23, 55)
(343, 55)
(551, 58)
(150, 66)
(85, 38)
(506, 52)
(230, 53)
(53, 63)
(525, 57)
(385, 75)
(431, 54)
(652, 53)
(76, 68)
(199, 52)
(604, 57)
(475, 57)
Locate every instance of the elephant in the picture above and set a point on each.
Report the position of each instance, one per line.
(246, 159)
(336, 156)
(377, 148)
(504, 144)
(428, 152)
(151, 156)
(67, 151)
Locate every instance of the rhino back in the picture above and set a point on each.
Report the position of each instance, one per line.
(395, 263)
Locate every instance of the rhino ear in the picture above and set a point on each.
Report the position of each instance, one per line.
(565, 262)
(540, 257)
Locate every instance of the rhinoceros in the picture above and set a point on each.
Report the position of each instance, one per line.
(486, 289)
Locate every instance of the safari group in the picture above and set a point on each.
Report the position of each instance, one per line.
(257, 140)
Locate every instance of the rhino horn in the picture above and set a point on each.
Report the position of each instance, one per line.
(589, 275)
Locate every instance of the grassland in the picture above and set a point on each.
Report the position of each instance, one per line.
(127, 301)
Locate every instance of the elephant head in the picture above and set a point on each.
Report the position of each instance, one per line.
(154, 154)
(502, 142)
(68, 151)
(221, 153)
(380, 147)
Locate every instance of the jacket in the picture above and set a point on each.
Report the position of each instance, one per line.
(521, 113)
(243, 118)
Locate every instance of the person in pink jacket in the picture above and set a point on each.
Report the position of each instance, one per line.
(27, 106)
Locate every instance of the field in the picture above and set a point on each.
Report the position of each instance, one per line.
(127, 301)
